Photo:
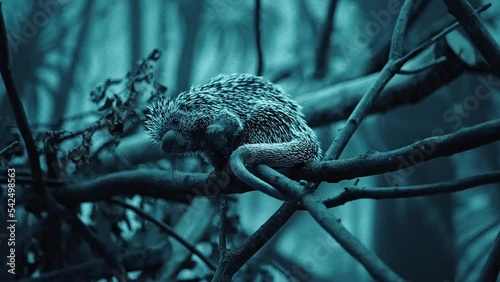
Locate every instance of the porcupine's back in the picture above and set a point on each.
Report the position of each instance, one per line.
(269, 115)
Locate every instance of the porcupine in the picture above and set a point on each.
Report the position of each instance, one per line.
(237, 118)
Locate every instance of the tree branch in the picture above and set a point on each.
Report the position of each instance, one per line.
(336, 229)
(310, 201)
(158, 184)
(324, 42)
(390, 69)
(398, 36)
(236, 258)
(53, 206)
(412, 155)
(18, 109)
(167, 229)
(476, 31)
(258, 39)
(492, 266)
(9, 148)
(343, 97)
(355, 193)
(222, 225)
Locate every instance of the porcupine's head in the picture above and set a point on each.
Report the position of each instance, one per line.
(171, 124)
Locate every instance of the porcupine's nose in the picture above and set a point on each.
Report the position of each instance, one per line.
(168, 141)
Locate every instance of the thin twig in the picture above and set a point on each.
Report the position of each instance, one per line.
(258, 38)
(491, 269)
(167, 229)
(8, 148)
(222, 226)
(424, 67)
(361, 110)
(18, 109)
(413, 53)
(398, 36)
(476, 31)
(355, 193)
(324, 42)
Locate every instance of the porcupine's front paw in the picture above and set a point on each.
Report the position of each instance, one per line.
(218, 137)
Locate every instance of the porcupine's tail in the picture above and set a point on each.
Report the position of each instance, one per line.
(286, 154)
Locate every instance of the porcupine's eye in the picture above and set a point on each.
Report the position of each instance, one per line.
(175, 121)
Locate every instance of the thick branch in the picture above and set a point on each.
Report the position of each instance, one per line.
(151, 182)
(402, 90)
(236, 258)
(159, 184)
(411, 155)
(327, 220)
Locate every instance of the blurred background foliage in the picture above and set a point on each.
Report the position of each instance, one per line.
(85, 43)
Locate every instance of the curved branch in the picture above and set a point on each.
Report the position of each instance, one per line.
(236, 258)
(491, 268)
(355, 193)
(430, 65)
(167, 229)
(372, 263)
(408, 156)
(9, 148)
(476, 31)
